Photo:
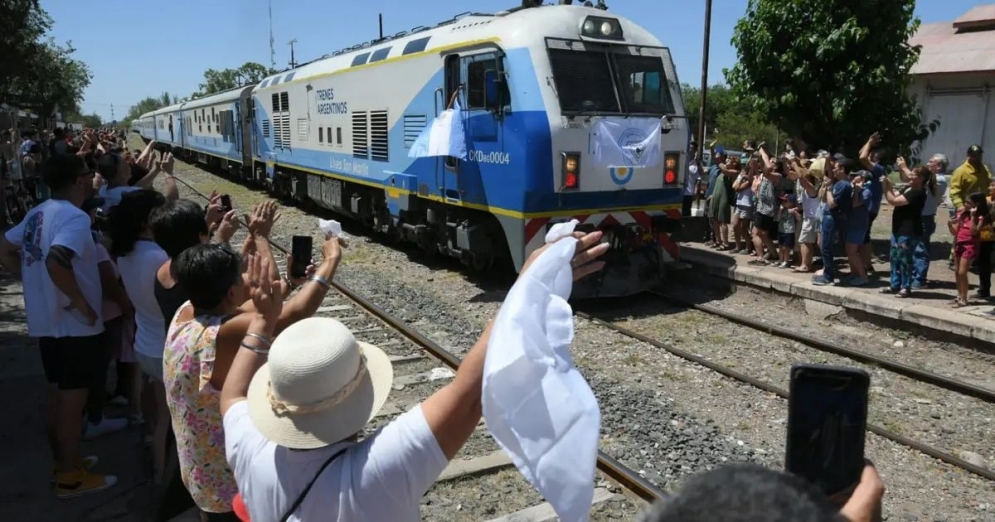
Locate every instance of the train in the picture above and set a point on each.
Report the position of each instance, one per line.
(534, 84)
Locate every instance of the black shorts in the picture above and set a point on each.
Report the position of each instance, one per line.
(765, 223)
(786, 240)
(71, 362)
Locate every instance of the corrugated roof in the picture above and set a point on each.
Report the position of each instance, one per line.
(945, 50)
(978, 15)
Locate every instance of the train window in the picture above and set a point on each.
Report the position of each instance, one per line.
(284, 101)
(360, 59)
(380, 55)
(321, 135)
(276, 102)
(328, 132)
(476, 68)
(583, 81)
(644, 84)
(416, 46)
(338, 135)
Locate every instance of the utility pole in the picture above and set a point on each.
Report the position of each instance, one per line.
(293, 63)
(112, 113)
(704, 75)
(272, 50)
(381, 26)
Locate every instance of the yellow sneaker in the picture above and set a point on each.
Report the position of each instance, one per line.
(80, 482)
(87, 463)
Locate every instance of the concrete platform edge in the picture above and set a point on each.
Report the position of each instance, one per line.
(933, 318)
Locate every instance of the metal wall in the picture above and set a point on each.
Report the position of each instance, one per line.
(964, 104)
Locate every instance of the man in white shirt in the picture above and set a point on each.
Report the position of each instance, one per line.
(692, 179)
(292, 423)
(53, 252)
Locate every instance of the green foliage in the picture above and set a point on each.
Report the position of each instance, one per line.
(36, 74)
(831, 72)
(92, 121)
(728, 120)
(225, 79)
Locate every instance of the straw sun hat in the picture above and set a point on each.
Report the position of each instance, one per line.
(320, 385)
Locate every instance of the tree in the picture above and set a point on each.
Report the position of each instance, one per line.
(23, 23)
(147, 105)
(225, 79)
(54, 79)
(92, 121)
(729, 120)
(830, 72)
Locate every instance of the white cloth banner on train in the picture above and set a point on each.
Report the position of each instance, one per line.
(538, 407)
(628, 142)
(443, 137)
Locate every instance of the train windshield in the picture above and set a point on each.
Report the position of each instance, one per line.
(613, 79)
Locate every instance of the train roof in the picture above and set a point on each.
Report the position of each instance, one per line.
(218, 97)
(513, 28)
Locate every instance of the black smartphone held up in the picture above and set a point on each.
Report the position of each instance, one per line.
(226, 203)
(300, 252)
(827, 418)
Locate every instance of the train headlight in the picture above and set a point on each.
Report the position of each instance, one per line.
(571, 170)
(598, 27)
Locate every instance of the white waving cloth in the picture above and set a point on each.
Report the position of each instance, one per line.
(538, 407)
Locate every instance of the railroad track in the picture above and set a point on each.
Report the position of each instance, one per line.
(422, 366)
(922, 376)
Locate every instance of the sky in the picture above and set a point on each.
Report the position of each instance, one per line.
(140, 49)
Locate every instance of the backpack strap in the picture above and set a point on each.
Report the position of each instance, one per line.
(300, 498)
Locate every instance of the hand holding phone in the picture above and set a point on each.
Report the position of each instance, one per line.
(300, 252)
(827, 420)
(226, 203)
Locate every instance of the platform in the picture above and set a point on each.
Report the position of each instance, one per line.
(927, 309)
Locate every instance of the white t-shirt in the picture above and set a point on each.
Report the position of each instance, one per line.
(691, 184)
(381, 478)
(113, 196)
(57, 222)
(138, 271)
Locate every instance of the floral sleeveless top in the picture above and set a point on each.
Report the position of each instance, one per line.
(195, 409)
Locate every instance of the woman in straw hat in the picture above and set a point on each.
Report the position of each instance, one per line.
(293, 409)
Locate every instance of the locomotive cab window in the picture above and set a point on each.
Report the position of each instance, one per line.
(486, 87)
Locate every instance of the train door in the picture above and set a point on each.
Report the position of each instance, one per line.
(477, 80)
(247, 138)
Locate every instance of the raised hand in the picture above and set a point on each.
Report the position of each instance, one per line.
(584, 262)
(267, 295)
(260, 223)
(227, 227)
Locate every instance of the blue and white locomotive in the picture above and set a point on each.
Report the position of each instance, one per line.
(533, 85)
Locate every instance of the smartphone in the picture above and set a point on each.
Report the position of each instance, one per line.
(226, 203)
(827, 419)
(300, 253)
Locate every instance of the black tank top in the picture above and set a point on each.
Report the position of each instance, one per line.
(170, 300)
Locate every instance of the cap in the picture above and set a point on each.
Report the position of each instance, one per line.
(839, 157)
(974, 149)
(790, 198)
(720, 150)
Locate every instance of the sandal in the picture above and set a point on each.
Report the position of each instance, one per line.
(959, 304)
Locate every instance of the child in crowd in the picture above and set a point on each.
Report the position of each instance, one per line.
(967, 244)
(788, 217)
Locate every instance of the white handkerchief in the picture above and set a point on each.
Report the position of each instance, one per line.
(537, 405)
(331, 228)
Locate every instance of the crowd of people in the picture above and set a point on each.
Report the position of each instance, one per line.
(795, 210)
(266, 402)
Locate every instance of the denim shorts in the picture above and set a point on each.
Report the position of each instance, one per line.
(151, 366)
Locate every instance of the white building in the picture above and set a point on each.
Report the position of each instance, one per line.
(954, 81)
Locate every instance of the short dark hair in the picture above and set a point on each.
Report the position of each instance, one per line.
(206, 272)
(127, 220)
(107, 165)
(178, 225)
(62, 170)
(745, 492)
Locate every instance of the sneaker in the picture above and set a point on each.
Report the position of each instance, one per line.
(855, 281)
(917, 286)
(87, 463)
(119, 400)
(80, 482)
(821, 281)
(903, 293)
(104, 427)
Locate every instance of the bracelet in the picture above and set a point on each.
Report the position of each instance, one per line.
(265, 341)
(321, 280)
(261, 351)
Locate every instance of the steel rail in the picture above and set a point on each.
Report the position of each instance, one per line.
(615, 470)
(927, 377)
(732, 374)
